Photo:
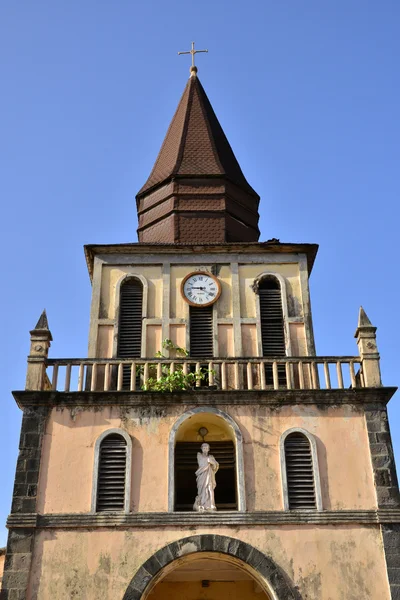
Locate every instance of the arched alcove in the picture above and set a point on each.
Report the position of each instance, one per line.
(225, 440)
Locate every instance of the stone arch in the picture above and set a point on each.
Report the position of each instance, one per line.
(279, 584)
(241, 492)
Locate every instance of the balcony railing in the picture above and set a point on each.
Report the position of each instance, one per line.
(256, 373)
(288, 373)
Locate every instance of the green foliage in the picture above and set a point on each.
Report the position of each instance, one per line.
(169, 345)
(178, 380)
(172, 382)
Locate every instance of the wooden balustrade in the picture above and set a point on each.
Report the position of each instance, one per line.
(292, 373)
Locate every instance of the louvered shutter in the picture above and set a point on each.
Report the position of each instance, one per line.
(130, 319)
(130, 325)
(112, 473)
(201, 331)
(272, 327)
(272, 331)
(299, 472)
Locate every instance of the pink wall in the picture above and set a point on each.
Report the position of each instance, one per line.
(326, 563)
(68, 454)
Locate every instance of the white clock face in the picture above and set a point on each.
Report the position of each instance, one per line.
(201, 289)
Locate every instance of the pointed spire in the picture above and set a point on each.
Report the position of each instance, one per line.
(195, 143)
(363, 320)
(364, 324)
(41, 339)
(43, 322)
(42, 325)
(197, 183)
(368, 351)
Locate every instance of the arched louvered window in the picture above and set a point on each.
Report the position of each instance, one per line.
(112, 481)
(201, 331)
(272, 326)
(130, 319)
(301, 486)
(130, 324)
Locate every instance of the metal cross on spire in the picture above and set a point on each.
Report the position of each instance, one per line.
(193, 68)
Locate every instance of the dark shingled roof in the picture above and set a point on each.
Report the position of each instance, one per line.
(195, 144)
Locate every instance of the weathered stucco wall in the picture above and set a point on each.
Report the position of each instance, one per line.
(110, 277)
(326, 563)
(165, 304)
(340, 432)
(290, 273)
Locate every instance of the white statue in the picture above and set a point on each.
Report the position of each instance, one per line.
(205, 476)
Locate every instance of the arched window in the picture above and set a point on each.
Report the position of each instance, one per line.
(272, 325)
(130, 324)
(300, 475)
(112, 472)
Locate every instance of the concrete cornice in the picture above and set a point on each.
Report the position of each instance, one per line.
(268, 247)
(323, 398)
(192, 519)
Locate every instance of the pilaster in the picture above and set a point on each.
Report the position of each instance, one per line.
(20, 541)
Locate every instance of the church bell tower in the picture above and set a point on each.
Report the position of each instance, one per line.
(203, 449)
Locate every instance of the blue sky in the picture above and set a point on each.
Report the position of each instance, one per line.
(308, 95)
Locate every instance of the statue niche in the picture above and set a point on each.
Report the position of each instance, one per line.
(205, 479)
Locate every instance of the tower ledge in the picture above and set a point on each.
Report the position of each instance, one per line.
(269, 247)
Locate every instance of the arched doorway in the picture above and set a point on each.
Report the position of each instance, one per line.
(209, 559)
(209, 576)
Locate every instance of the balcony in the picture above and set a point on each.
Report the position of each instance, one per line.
(222, 374)
(246, 374)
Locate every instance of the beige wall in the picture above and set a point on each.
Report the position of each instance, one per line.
(290, 273)
(168, 279)
(110, 278)
(326, 563)
(68, 453)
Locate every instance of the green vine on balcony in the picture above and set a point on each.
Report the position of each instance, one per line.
(176, 381)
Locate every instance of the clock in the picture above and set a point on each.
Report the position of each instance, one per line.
(200, 289)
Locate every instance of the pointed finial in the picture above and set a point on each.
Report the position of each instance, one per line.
(368, 350)
(43, 322)
(363, 320)
(42, 326)
(41, 338)
(364, 324)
